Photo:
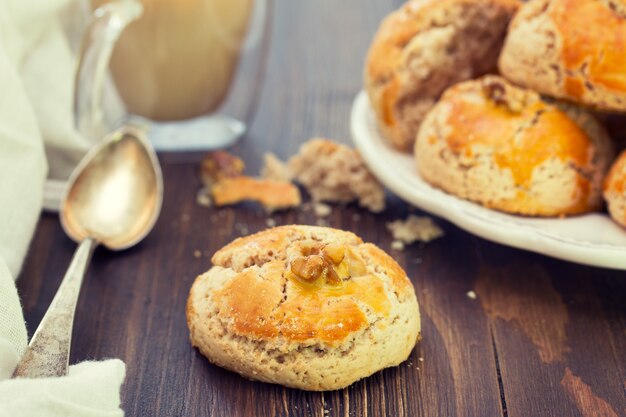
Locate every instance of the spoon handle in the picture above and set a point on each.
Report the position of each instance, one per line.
(48, 352)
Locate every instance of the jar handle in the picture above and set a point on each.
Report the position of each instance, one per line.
(108, 22)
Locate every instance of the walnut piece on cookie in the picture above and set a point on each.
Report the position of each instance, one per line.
(425, 47)
(569, 49)
(307, 307)
(508, 149)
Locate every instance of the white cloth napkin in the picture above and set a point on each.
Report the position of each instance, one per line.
(37, 139)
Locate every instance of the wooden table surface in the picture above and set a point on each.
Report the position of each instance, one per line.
(543, 337)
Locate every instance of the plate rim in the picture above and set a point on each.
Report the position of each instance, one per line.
(515, 235)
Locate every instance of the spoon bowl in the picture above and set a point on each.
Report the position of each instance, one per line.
(116, 192)
(113, 198)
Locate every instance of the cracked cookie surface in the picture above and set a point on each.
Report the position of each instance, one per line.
(307, 307)
(508, 149)
(570, 49)
(423, 48)
(615, 190)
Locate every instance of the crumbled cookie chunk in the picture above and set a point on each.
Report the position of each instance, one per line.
(273, 195)
(336, 173)
(330, 172)
(222, 175)
(217, 165)
(413, 229)
(275, 169)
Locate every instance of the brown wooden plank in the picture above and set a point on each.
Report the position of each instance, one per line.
(460, 332)
(559, 343)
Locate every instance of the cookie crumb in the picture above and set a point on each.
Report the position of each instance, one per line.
(397, 245)
(242, 228)
(321, 209)
(197, 254)
(414, 229)
(270, 222)
(203, 198)
(471, 295)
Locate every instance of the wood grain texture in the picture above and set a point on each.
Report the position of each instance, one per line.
(542, 338)
(460, 335)
(589, 404)
(548, 321)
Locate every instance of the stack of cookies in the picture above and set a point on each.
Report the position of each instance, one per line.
(495, 98)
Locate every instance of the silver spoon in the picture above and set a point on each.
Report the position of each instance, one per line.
(113, 198)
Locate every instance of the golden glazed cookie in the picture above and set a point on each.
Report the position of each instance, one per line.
(308, 307)
(572, 49)
(425, 47)
(506, 148)
(615, 190)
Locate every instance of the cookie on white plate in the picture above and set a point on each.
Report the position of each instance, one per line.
(615, 190)
(508, 149)
(569, 49)
(425, 47)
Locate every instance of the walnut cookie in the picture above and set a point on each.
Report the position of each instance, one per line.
(508, 149)
(615, 190)
(570, 49)
(307, 307)
(425, 47)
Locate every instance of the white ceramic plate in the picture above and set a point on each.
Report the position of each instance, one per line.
(592, 239)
